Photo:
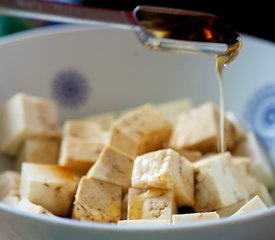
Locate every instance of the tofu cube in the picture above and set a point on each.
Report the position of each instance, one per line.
(194, 217)
(103, 119)
(124, 207)
(113, 166)
(190, 155)
(11, 200)
(144, 223)
(264, 194)
(255, 204)
(97, 201)
(165, 169)
(260, 163)
(230, 210)
(217, 183)
(150, 203)
(9, 188)
(198, 129)
(172, 109)
(141, 130)
(252, 185)
(41, 150)
(79, 155)
(51, 186)
(24, 116)
(9, 184)
(82, 129)
(28, 206)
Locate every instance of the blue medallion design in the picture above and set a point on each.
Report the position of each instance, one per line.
(259, 115)
(70, 88)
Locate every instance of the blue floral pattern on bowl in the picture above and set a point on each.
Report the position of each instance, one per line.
(70, 88)
(260, 115)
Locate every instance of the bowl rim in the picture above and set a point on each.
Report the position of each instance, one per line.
(201, 225)
(68, 28)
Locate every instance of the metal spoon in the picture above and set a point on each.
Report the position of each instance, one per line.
(157, 27)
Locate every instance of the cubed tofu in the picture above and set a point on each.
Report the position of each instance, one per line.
(252, 185)
(141, 130)
(240, 132)
(82, 129)
(103, 119)
(230, 210)
(9, 184)
(97, 201)
(113, 166)
(28, 206)
(79, 155)
(139, 222)
(124, 207)
(150, 203)
(194, 217)
(40, 150)
(24, 116)
(255, 204)
(172, 109)
(165, 169)
(260, 163)
(198, 129)
(190, 155)
(51, 186)
(11, 200)
(217, 183)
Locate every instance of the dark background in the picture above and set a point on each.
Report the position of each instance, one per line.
(255, 18)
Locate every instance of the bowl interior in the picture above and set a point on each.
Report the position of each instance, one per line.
(88, 71)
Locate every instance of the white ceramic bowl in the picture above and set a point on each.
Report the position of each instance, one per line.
(114, 71)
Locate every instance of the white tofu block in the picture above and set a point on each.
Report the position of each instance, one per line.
(150, 203)
(28, 206)
(255, 204)
(263, 193)
(103, 119)
(11, 200)
(198, 129)
(194, 217)
(9, 184)
(260, 163)
(79, 155)
(165, 169)
(240, 132)
(146, 223)
(190, 155)
(38, 150)
(51, 186)
(97, 201)
(217, 183)
(25, 116)
(141, 130)
(82, 129)
(172, 109)
(124, 207)
(113, 166)
(230, 210)
(252, 185)
(105, 137)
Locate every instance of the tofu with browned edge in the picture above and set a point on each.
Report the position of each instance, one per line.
(151, 203)
(113, 166)
(51, 186)
(141, 130)
(165, 169)
(97, 201)
(25, 116)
